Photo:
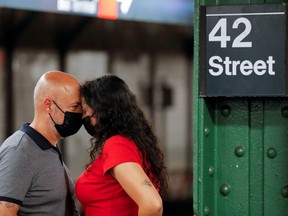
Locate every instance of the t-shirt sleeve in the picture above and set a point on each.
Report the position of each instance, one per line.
(119, 150)
(16, 175)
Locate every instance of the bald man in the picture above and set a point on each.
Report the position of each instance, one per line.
(33, 178)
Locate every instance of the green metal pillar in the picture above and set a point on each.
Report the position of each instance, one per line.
(240, 148)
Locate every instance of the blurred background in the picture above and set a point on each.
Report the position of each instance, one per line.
(147, 43)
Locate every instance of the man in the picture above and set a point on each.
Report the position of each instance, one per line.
(33, 178)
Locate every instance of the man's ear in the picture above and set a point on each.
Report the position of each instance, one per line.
(47, 102)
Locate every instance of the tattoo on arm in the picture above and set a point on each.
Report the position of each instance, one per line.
(147, 182)
(7, 204)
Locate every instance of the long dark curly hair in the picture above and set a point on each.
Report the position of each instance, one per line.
(117, 113)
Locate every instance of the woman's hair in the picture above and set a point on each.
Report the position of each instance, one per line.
(117, 113)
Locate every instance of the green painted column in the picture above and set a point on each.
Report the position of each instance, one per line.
(240, 149)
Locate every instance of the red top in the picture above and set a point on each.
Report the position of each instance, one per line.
(101, 194)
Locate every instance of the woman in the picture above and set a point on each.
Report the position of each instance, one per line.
(126, 175)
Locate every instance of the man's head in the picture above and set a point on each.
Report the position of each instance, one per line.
(57, 98)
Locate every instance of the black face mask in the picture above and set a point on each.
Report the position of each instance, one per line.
(71, 124)
(87, 124)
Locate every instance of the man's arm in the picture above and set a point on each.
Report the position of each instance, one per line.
(8, 208)
(16, 176)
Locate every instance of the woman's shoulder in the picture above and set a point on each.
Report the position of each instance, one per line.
(119, 140)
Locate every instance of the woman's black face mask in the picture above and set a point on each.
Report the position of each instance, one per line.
(88, 126)
(71, 124)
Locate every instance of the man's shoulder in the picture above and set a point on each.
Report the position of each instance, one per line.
(19, 140)
(13, 140)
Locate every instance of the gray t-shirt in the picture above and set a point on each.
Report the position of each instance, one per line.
(32, 174)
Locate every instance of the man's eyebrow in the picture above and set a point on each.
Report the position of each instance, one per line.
(75, 104)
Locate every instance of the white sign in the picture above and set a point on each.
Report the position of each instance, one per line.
(89, 6)
(245, 50)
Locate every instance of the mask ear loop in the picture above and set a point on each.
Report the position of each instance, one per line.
(52, 118)
(58, 107)
(93, 114)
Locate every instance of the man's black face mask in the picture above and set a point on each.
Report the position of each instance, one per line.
(71, 124)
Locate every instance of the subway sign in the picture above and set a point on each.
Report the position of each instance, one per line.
(243, 50)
